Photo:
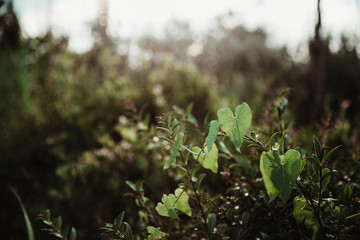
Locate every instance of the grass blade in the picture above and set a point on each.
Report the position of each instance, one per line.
(27, 220)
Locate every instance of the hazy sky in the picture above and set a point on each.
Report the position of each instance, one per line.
(288, 22)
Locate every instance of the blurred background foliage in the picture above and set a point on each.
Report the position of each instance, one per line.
(74, 127)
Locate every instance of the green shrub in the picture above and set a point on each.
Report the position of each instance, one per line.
(228, 191)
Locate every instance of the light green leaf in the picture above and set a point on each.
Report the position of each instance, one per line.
(179, 201)
(154, 233)
(302, 214)
(209, 160)
(182, 201)
(211, 137)
(270, 188)
(174, 151)
(144, 215)
(235, 127)
(130, 133)
(73, 234)
(280, 172)
(166, 209)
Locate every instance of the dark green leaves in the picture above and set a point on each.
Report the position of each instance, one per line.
(119, 228)
(329, 155)
(280, 172)
(235, 126)
(303, 214)
(319, 157)
(347, 194)
(55, 227)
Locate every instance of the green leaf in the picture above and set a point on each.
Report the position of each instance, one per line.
(131, 185)
(253, 135)
(235, 127)
(326, 176)
(281, 144)
(199, 180)
(155, 233)
(182, 201)
(174, 151)
(187, 153)
(271, 139)
(329, 155)
(139, 186)
(166, 209)
(211, 222)
(179, 201)
(213, 131)
(58, 223)
(73, 234)
(317, 146)
(175, 127)
(272, 191)
(130, 133)
(128, 231)
(56, 234)
(209, 160)
(259, 147)
(347, 194)
(118, 221)
(303, 214)
(47, 214)
(189, 109)
(280, 172)
(315, 163)
(144, 215)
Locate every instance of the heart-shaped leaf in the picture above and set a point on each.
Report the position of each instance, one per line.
(179, 201)
(208, 160)
(235, 127)
(182, 201)
(280, 172)
(166, 209)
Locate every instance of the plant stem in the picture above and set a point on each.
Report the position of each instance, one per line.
(320, 191)
(310, 201)
(194, 188)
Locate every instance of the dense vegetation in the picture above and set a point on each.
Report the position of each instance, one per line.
(88, 135)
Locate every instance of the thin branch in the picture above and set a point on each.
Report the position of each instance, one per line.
(194, 188)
